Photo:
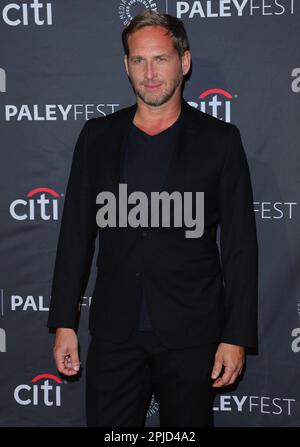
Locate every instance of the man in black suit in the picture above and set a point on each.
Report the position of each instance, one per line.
(169, 315)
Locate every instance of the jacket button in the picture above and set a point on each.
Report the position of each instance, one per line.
(144, 233)
(138, 274)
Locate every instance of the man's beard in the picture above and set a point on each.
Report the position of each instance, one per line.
(163, 98)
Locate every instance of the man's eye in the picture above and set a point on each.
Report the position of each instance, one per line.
(162, 59)
(137, 61)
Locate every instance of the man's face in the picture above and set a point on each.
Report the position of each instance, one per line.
(154, 66)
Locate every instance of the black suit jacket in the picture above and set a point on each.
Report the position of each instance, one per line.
(194, 294)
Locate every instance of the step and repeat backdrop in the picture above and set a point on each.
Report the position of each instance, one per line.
(61, 63)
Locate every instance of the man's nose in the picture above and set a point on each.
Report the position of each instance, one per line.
(150, 72)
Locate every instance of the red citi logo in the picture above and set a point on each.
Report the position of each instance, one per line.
(37, 206)
(216, 102)
(42, 392)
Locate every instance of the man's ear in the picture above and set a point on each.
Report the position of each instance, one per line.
(186, 62)
(126, 64)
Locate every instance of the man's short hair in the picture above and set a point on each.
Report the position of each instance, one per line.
(174, 27)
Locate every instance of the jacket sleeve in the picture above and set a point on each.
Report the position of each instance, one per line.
(76, 242)
(239, 251)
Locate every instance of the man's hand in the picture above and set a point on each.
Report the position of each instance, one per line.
(65, 351)
(232, 357)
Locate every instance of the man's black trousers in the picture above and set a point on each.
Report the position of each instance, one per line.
(121, 378)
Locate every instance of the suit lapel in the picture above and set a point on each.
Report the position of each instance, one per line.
(177, 175)
(115, 141)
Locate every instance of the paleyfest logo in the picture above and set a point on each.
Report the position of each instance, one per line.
(130, 8)
(216, 102)
(232, 8)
